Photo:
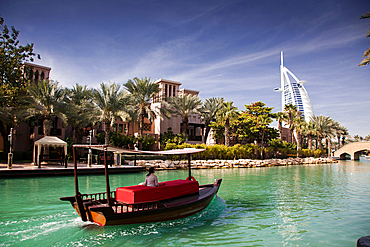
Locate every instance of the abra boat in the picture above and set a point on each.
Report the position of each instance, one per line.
(140, 204)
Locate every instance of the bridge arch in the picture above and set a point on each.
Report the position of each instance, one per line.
(354, 149)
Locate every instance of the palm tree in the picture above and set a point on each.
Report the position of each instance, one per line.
(340, 132)
(80, 109)
(183, 105)
(324, 127)
(290, 110)
(211, 107)
(281, 117)
(47, 99)
(299, 126)
(227, 113)
(310, 131)
(142, 92)
(110, 103)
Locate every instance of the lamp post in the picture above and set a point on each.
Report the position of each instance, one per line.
(10, 154)
(89, 156)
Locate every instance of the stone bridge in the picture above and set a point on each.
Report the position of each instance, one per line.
(354, 149)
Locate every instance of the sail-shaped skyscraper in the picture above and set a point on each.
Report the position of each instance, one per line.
(293, 92)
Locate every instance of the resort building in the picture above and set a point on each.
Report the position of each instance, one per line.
(25, 134)
(195, 126)
(35, 72)
(293, 92)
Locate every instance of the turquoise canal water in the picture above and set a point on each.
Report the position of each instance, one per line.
(305, 205)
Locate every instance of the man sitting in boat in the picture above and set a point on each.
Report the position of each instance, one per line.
(151, 180)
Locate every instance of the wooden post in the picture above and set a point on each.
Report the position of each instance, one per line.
(107, 176)
(78, 198)
(189, 165)
(75, 169)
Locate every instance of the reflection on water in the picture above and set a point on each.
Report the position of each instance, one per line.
(316, 205)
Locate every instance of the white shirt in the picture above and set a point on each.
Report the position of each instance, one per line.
(151, 180)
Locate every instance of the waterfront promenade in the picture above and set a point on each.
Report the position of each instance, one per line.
(27, 169)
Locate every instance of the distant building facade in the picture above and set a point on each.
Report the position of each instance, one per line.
(35, 72)
(293, 92)
(195, 126)
(26, 134)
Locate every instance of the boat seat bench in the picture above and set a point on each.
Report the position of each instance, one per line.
(165, 190)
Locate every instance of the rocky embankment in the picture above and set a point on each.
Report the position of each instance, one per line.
(217, 164)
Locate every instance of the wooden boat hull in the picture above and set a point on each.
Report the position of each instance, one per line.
(119, 214)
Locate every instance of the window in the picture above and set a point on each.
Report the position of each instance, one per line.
(147, 127)
(37, 75)
(169, 90)
(174, 90)
(165, 90)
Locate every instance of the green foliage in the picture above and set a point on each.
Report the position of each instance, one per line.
(319, 153)
(170, 137)
(218, 129)
(142, 93)
(12, 80)
(252, 124)
(70, 143)
(366, 60)
(12, 56)
(116, 139)
(147, 141)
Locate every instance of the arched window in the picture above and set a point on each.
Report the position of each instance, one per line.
(30, 75)
(37, 75)
(42, 75)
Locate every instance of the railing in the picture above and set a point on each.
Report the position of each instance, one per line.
(119, 208)
(129, 208)
(98, 196)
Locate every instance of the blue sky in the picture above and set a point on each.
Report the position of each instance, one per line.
(227, 49)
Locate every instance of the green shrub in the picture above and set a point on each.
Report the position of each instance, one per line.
(147, 141)
(319, 153)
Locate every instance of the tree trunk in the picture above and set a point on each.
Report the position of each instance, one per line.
(280, 130)
(298, 143)
(106, 130)
(47, 129)
(141, 131)
(208, 129)
(329, 147)
(227, 133)
(319, 142)
(141, 125)
(47, 125)
(338, 138)
(309, 137)
(184, 129)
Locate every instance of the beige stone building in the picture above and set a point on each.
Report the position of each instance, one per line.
(25, 134)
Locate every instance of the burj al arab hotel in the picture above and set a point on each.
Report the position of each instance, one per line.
(293, 92)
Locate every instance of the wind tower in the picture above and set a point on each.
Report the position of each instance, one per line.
(293, 92)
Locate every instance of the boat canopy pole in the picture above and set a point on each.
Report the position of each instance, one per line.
(78, 198)
(75, 170)
(107, 176)
(189, 165)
